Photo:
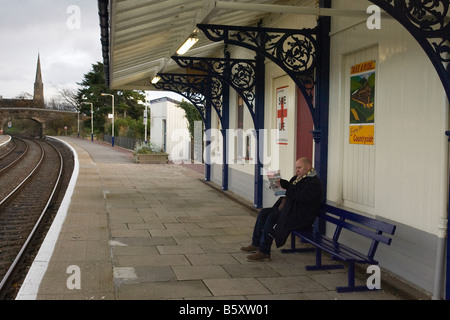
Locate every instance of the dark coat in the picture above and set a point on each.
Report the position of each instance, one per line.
(303, 203)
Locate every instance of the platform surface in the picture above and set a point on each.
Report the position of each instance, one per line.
(157, 231)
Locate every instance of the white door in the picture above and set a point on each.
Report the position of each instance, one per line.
(359, 159)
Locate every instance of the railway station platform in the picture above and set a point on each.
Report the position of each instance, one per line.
(158, 231)
(4, 139)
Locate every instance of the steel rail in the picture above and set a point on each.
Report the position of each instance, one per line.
(5, 199)
(7, 153)
(18, 158)
(30, 236)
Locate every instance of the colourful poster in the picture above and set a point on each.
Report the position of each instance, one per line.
(362, 103)
(282, 115)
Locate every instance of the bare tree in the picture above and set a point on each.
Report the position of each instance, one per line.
(24, 96)
(66, 100)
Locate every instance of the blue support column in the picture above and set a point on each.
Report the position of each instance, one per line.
(208, 141)
(225, 115)
(320, 134)
(225, 122)
(231, 72)
(259, 124)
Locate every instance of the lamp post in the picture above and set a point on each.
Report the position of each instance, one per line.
(78, 124)
(145, 119)
(92, 119)
(112, 98)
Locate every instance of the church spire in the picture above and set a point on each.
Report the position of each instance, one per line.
(38, 98)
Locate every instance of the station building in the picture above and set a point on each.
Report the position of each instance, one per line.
(361, 87)
(168, 126)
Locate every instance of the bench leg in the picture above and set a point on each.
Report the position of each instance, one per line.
(320, 266)
(293, 248)
(351, 281)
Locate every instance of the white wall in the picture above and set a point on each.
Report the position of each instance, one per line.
(402, 178)
(176, 127)
(409, 160)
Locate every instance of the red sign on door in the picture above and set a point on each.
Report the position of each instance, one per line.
(282, 115)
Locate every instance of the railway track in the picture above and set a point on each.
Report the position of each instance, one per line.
(29, 190)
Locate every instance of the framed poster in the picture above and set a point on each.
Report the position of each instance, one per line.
(362, 103)
(282, 115)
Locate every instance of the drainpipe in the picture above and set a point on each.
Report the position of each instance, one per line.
(442, 228)
(442, 253)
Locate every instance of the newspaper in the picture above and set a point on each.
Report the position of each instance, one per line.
(274, 182)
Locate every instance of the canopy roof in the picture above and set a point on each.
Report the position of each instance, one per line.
(139, 37)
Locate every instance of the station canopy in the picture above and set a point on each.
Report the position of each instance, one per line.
(140, 37)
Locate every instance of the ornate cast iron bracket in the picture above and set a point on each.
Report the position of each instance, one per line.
(428, 21)
(295, 51)
(200, 88)
(240, 74)
(197, 99)
(189, 87)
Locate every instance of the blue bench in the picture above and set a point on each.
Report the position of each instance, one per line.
(366, 227)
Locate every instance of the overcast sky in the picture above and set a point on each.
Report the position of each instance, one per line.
(65, 33)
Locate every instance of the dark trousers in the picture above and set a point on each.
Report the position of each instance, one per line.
(264, 229)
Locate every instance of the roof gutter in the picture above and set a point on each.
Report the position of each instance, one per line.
(103, 14)
(273, 8)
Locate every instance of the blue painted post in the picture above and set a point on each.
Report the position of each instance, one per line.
(208, 141)
(225, 126)
(225, 122)
(259, 124)
(321, 115)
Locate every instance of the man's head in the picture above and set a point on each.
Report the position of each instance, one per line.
(302, 166)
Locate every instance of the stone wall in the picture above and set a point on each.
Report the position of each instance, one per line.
(16, 103)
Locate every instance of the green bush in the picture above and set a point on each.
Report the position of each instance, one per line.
(128, 127)
(150, 148)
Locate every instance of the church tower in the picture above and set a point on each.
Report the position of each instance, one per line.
(38, 98)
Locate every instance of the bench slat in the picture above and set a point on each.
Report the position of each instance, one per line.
(360, 230)
(341, 251)
(370, 222)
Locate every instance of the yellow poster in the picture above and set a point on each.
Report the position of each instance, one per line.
(362, 134)
(362, 103)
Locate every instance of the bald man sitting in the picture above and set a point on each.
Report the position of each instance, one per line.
(296, 211)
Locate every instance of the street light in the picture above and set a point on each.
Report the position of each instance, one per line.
(78, 123)
(92, 119)
(145, 123)
(145, 119)
(112, 98)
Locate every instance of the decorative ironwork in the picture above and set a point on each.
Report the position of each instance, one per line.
(429, 22)
(195, 97)
(240, 74)
(295, 51)
(205, 86)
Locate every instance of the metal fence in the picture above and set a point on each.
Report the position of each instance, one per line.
(124, 142)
